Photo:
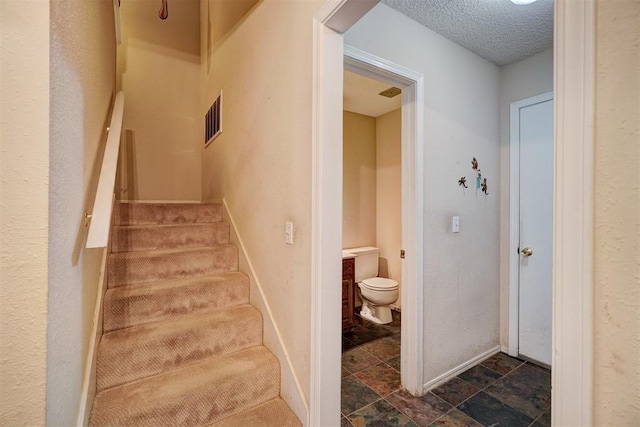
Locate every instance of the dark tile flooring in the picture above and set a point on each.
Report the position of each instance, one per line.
(501, 391)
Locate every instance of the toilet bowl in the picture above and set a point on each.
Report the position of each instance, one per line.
(378, 294)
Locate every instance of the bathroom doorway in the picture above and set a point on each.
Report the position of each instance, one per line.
(372, 241)
(386, 356)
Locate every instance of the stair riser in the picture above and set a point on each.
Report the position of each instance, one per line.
(210, 392)
(129, 270)
(129, 355)
(123, 311)
(175, 213)
(124, 239)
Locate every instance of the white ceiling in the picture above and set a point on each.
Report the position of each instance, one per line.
(361, 96)
(497, 30)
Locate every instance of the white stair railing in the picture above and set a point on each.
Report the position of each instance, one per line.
(98, 235)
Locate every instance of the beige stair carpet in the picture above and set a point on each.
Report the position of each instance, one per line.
(127, 306)
(181, 344)
(152, 237)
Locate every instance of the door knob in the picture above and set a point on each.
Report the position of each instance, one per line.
(527, 252)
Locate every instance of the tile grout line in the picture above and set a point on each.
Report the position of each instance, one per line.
(523, 363)
(488, 385)
(378, 362)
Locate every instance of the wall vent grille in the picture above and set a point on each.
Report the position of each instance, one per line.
(213, 121)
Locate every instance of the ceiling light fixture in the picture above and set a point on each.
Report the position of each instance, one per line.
(520, 2)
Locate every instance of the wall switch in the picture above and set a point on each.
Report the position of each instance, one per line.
(288, 233)
(455, 224)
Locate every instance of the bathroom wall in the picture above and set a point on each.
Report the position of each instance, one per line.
(159, 69)
(524, 79)
(359, 185)
(389, 195)
(461, 271)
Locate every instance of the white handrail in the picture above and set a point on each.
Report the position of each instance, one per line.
(98, 235)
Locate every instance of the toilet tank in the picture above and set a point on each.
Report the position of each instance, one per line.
(366, 262)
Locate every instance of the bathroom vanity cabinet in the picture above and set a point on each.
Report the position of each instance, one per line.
(348, 293)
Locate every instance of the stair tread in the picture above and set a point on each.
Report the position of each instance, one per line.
(180, 323)
(167, 213)
(192, 395)
(274, 413)
(139, 304)
(161, 252)
(144, 288)
(129, 268)
(155, 237)
(126, 355)
(167, 203)
(163, 226)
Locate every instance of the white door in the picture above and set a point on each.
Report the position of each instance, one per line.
(535, 228)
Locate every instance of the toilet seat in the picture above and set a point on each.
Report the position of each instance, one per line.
(380, 284)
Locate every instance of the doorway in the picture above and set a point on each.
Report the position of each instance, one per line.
(531, 247)
(410, 82)
(372, 240)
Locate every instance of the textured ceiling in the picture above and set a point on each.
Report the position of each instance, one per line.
(497, 30)
(361, 96)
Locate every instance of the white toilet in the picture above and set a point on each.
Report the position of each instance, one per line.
(377, 293)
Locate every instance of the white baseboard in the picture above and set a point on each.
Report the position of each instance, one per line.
(441, 379)
(290, 387)
(504, 349)
(89, 378)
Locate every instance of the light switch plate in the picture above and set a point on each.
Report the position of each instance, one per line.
(455, 224)
(288, 233)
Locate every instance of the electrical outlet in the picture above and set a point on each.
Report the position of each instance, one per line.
(288, 233)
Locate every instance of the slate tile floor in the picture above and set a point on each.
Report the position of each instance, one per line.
(501, 391)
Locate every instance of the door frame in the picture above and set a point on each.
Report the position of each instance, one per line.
(573, 211)
(574, 105)
(514, 216)
(412, 295)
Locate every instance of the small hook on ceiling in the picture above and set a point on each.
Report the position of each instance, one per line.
(164, 10)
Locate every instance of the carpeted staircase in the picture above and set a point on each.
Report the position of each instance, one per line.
(181, 344)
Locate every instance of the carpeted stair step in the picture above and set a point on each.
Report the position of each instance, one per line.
(274, 413)
(127, 306)
(129, 268)
(153, 237)
(127, 355)
(196, 395)
(137, 213)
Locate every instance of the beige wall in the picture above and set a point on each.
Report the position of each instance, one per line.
(83, 56)
(524, 79)
(24, 182)
(261, 164)
(389, 195)
(461, 271)
(359, 180)
(617, 214)
(159, 63)
(222, 16)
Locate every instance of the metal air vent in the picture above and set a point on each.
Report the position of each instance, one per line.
(391, 92)
(213, 121)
